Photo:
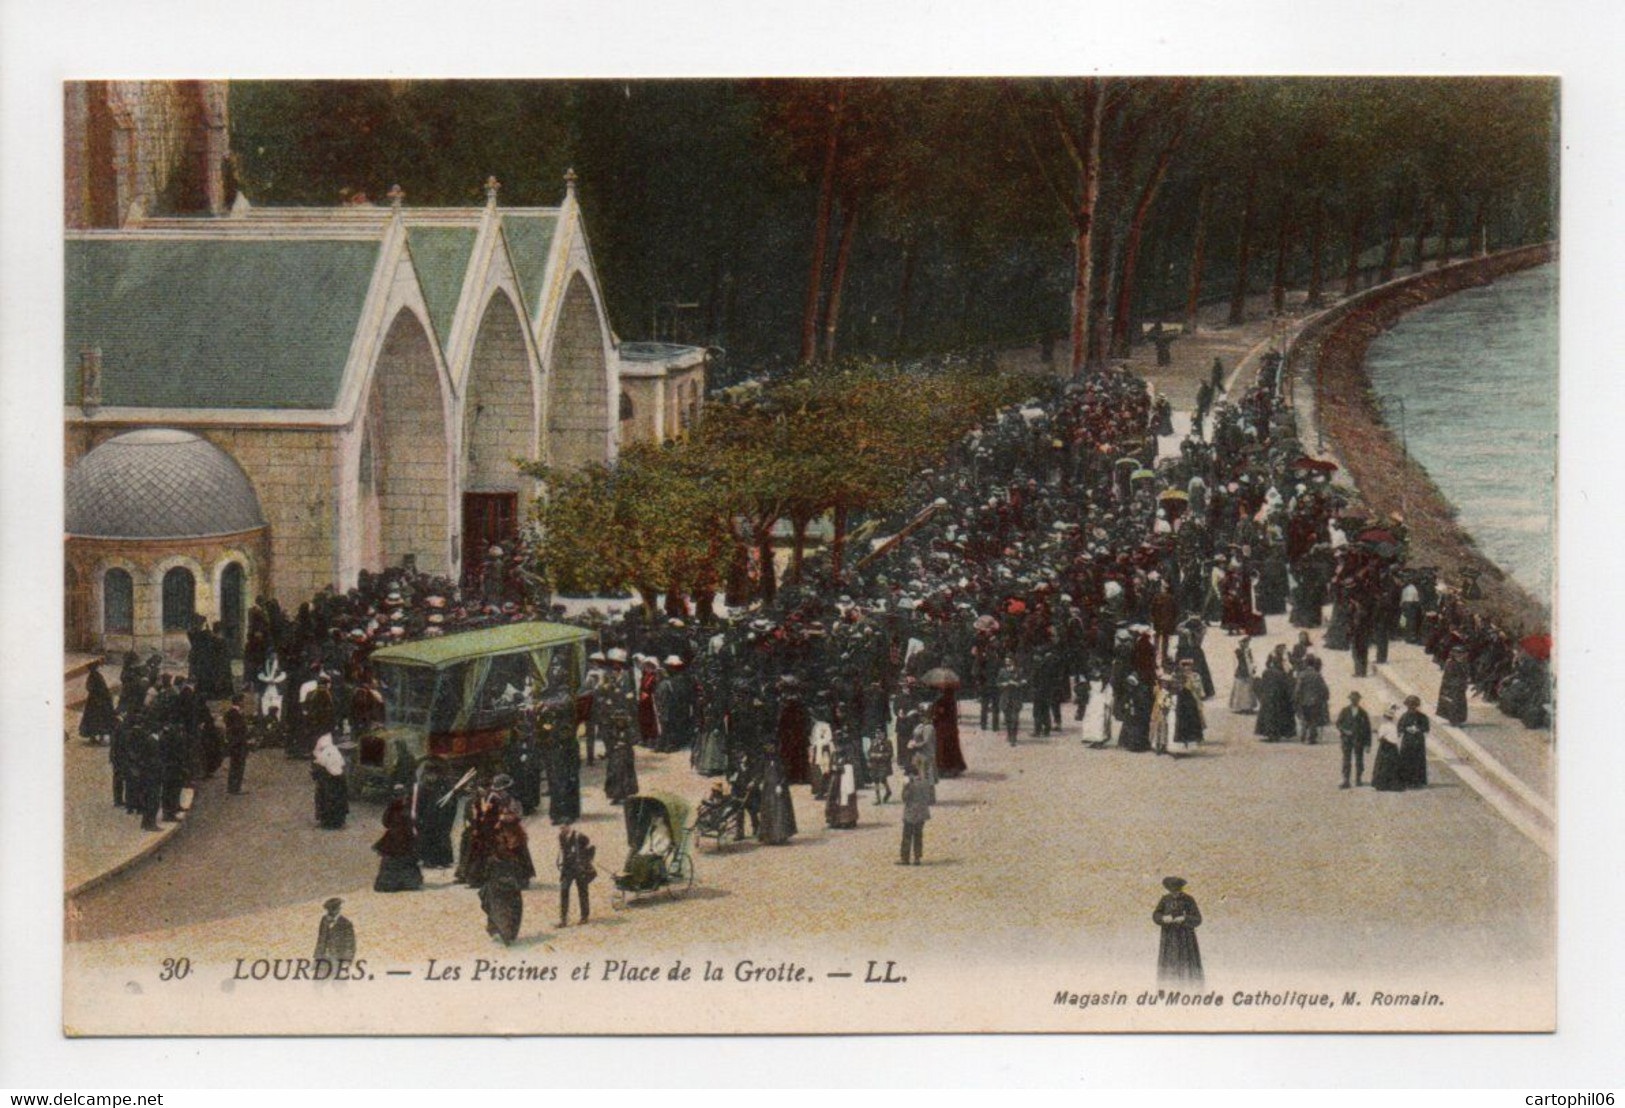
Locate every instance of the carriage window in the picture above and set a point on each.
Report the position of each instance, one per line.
(180, 599)
(406, 691)
(118, 602)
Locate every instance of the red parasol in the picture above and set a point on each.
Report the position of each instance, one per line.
(1538, 647)
(1378, 534)
(1317, 464)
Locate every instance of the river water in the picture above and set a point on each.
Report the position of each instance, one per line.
(1477, 374)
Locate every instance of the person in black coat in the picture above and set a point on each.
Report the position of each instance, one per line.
(1179, 958)
(1413, 753)
(1354, 731)
(1277, 718)
(236, 745)
(99, 718)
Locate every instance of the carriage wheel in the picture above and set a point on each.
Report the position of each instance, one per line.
(682, 876)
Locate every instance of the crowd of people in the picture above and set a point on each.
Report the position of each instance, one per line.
(1064, 557)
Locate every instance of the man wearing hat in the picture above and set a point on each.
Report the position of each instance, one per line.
(1354, 730)
(335, 937)
(1452, 707)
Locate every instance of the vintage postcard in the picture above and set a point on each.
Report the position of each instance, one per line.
(809, 556)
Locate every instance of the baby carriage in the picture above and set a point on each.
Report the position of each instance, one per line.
(657, 835)
(720, 816)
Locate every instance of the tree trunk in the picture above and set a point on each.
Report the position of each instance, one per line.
(736, 590)
(1123, 314)
(704, 600)
(905, 290)
(1099, 299)
(1193, 301)
(1283, 236)
(1449, 233)
(798, 549)
(1480, 244)
(1083, 221)
(837, 282)
(1424, 224)
(1390, 253)
(1244, 246)
(651, 601)
(826, 200)
(837, 546)
(676, 601)
(1351, 277)
(769, 584)
(1317, 255)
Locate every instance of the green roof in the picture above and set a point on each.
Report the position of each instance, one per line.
(509, 638)
(530, 238)
(441, 255)
(216, 323)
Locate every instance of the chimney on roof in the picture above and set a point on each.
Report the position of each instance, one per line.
(569, 182)
(396, 196)
(90, 379)
(492, 187)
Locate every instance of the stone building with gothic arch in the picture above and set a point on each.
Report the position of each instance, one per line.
(376, 372)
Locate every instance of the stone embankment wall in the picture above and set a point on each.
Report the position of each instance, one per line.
(1327, 360)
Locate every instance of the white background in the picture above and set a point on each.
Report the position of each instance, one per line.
(44, 43)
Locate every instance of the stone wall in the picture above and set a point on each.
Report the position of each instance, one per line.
(578, 402)
(499, 410)
(645, 395)
(146, 561)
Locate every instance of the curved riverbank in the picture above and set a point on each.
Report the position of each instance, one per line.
(1330, 356)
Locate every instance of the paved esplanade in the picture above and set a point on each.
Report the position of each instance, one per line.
(1046, 854)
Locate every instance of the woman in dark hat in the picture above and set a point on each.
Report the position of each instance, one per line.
(504, 878)
(99, 718)
(397, 849)
(1453, 689)
(1179, 959)
(1413, 751)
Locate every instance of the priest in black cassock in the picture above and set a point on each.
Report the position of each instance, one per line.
(1179, 960)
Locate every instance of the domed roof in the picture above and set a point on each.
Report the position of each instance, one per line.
(159, 484)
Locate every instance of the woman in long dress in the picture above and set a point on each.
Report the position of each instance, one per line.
(776, 824)
(501, 890)
(945, 719)
(1242, 697)
(1452, 707)
(397, 849)
(332, 792)
(620, 769)
(1188, 722)
(1413, 750)
(841, 801)
(1179, 958)
(1276, 718)
(1385, 770)
(1135, 734)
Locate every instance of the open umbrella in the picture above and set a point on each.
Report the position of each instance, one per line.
(1378, 534)
(940, 678)
(986, 623)
(1141, 475)
(1173, 494)
(1538, 647)
(1318, 465)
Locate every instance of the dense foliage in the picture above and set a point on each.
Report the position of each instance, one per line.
(682, 517)
(808, 219)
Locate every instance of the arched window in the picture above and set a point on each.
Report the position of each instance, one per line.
(180, 599)
(626, 407)
(118, 602)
